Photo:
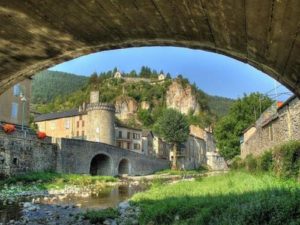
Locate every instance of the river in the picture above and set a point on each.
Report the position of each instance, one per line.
(108, 197)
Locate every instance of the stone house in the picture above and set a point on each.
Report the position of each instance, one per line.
(118, 75)
(276, 126)
(15, 103)
(147, 142)
(129, 138)
(161, 77)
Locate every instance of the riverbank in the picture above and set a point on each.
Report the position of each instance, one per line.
(45, 183)
(232, 198)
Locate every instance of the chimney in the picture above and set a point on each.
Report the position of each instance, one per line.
(94, 97)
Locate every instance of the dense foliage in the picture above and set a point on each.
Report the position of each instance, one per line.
(234, 198)
(173, 127)
(48, 85)
(283, 161)
(244, 112)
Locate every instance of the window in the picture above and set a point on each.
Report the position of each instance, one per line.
(77, 124)
(15, 161)
(128, 145)
(82, 133)
(80, 117)
(67, 124)
(14, 110)
(119, 144)
(52, 125)
(136, 146)
(17, 90)
(120, 134)
(136, 136)
(77, 133)
(128, 135)
(82, 123)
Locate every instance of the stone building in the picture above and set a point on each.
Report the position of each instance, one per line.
(22, 152)
(129, 138)
(276, 126)
(161, 77)
(93, 122)
(15, 103)
(118, 75)
(147, 142)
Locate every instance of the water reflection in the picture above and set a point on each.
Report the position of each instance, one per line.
(108, 197)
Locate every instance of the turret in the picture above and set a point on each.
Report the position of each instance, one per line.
(101, 117)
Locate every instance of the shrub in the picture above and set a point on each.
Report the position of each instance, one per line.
(286, 159)
(265, 161)
(250, 163)
(236, 163)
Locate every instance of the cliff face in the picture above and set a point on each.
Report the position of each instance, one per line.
(181, 98)
(125, 107)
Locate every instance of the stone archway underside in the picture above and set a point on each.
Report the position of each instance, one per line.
(35, 35)
(101, 165)
(123, 167)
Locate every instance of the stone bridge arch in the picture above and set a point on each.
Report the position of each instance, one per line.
(124, 166)
(35, 36)
(101, 164)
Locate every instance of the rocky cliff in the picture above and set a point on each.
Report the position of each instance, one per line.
(182, 98)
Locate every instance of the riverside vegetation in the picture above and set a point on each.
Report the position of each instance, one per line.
(258, 190)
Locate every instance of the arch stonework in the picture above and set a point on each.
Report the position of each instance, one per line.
(124, 166)
(101, 164)
(35, 36)
(75, 156)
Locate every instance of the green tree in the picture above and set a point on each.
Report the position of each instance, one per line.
(145, 117)
(243, 112)
(173, 127)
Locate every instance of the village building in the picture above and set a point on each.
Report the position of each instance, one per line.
(161, 77)
(129, 138)
(147, 142)
(16, 102)
(278, 124)
(118, 75)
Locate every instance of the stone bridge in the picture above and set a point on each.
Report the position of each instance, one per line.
(85, 157)
(38, 34)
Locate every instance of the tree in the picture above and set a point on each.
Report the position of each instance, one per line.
(173, 127)
(145, 117)
(243, 112)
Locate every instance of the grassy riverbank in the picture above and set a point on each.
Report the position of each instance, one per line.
(234, 198)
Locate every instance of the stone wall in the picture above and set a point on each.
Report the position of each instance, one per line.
(282, 127)
(75, 156)
(22, 152)
(215, 161)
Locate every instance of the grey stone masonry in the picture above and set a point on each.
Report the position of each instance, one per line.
(22, 152)
(282, 127)
(76, 156)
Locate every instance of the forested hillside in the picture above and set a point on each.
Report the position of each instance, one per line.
(47, 85)
(55, 91)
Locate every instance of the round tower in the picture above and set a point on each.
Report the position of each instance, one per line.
(101, 121)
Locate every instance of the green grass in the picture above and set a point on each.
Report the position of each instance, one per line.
(235, 198)
(48, 180)
(99, 216)
(181, 172)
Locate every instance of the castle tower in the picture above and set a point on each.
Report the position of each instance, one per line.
(101, 120)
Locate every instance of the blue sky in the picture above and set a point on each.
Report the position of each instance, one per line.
(215, 74)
